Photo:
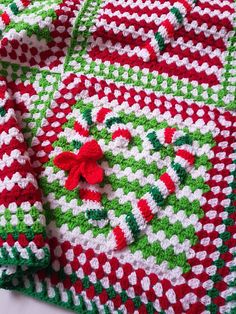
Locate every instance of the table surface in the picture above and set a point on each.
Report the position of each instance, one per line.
(15, 303)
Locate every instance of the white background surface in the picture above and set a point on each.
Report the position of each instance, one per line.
(16, 303)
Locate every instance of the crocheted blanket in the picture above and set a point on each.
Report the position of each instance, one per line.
(117, 154)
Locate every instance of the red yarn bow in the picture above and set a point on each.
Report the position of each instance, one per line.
(83, 164)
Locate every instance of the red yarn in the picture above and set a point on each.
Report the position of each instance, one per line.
(102, 114)
(5, 17)
(123, 133)
(83, 164)
(169, 27)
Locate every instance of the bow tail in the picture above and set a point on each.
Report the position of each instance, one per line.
(73, 179)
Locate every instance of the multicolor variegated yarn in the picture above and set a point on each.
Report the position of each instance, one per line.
(117, 154)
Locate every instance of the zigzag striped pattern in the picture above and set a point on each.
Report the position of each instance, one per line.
(195, 53)
(18, 176)
(20, 196)
(117, 154)
(161, 246)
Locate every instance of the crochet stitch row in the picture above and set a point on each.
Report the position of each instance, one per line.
(187, 68)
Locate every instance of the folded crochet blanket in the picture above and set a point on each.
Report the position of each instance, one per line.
(117, 154)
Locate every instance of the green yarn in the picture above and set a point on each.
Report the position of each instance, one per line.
(137, 302)
(111, 292)
(174, 229)
(213, 293)
(109, 122)
(154, 141)
(212, 308)
(181, 172)
(225, 235)
(186, 139)
(87, 115)
(219, 263)
(132, 223)
(73, 278)
(216, 278)
(96, 214)
(150, 308)
(160, 40)
(98, 287)
(223, 249)
(156, 195)
(177, 14)
(76, 144)
(124, 296)
(86, 282)
(14, 8)
(2, 110)
(106, 309)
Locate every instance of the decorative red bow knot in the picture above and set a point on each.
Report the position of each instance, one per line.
(83, 164)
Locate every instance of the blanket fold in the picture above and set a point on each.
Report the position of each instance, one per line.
(22, 233)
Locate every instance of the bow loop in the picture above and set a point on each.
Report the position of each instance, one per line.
(90, 150)
(83, 164)
(65, 161)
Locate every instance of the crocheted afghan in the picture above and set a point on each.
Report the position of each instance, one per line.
(117, 154)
